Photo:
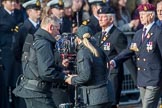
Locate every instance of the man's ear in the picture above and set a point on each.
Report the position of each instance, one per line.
(112, 19)
(51, 27)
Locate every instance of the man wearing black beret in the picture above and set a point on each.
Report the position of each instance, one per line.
(112, 41)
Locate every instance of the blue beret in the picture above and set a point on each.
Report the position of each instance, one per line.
(106, 10)
(82, 30)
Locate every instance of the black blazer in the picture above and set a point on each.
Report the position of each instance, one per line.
(116, 41)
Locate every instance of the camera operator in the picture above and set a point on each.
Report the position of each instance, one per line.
(92, 72)
(41, 71)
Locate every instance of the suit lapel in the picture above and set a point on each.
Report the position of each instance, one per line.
(139, 39)
(147, 38)
(149, 34)
(106, 36)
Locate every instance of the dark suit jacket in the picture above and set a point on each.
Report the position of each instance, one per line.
(116, 41)
(26, 28)
(149, 57)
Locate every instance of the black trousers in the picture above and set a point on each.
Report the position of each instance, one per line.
(116, 78)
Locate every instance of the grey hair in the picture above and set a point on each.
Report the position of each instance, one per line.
(152, 12)
(114, 17)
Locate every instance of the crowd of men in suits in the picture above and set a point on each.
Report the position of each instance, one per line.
(17, 21)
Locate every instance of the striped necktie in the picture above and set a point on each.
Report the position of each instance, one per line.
(144, 34)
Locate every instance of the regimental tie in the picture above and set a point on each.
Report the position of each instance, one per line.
(144, 34)
(103, 37)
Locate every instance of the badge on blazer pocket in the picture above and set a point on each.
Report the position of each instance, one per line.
(149, 35)
(149, 46)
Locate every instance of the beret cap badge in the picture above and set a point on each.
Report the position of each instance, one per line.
(145, 8)
(38, 3)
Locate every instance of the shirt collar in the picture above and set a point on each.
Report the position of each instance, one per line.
(8, 11)
(96, 17)
(108, 28)
(148, 27)
(34, 23)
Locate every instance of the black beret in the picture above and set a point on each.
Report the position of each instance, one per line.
(106, 10)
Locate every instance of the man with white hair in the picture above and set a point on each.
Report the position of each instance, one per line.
(159, 14)
(147, 47)
(112, 41)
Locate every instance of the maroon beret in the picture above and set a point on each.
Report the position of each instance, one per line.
(146, 7)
